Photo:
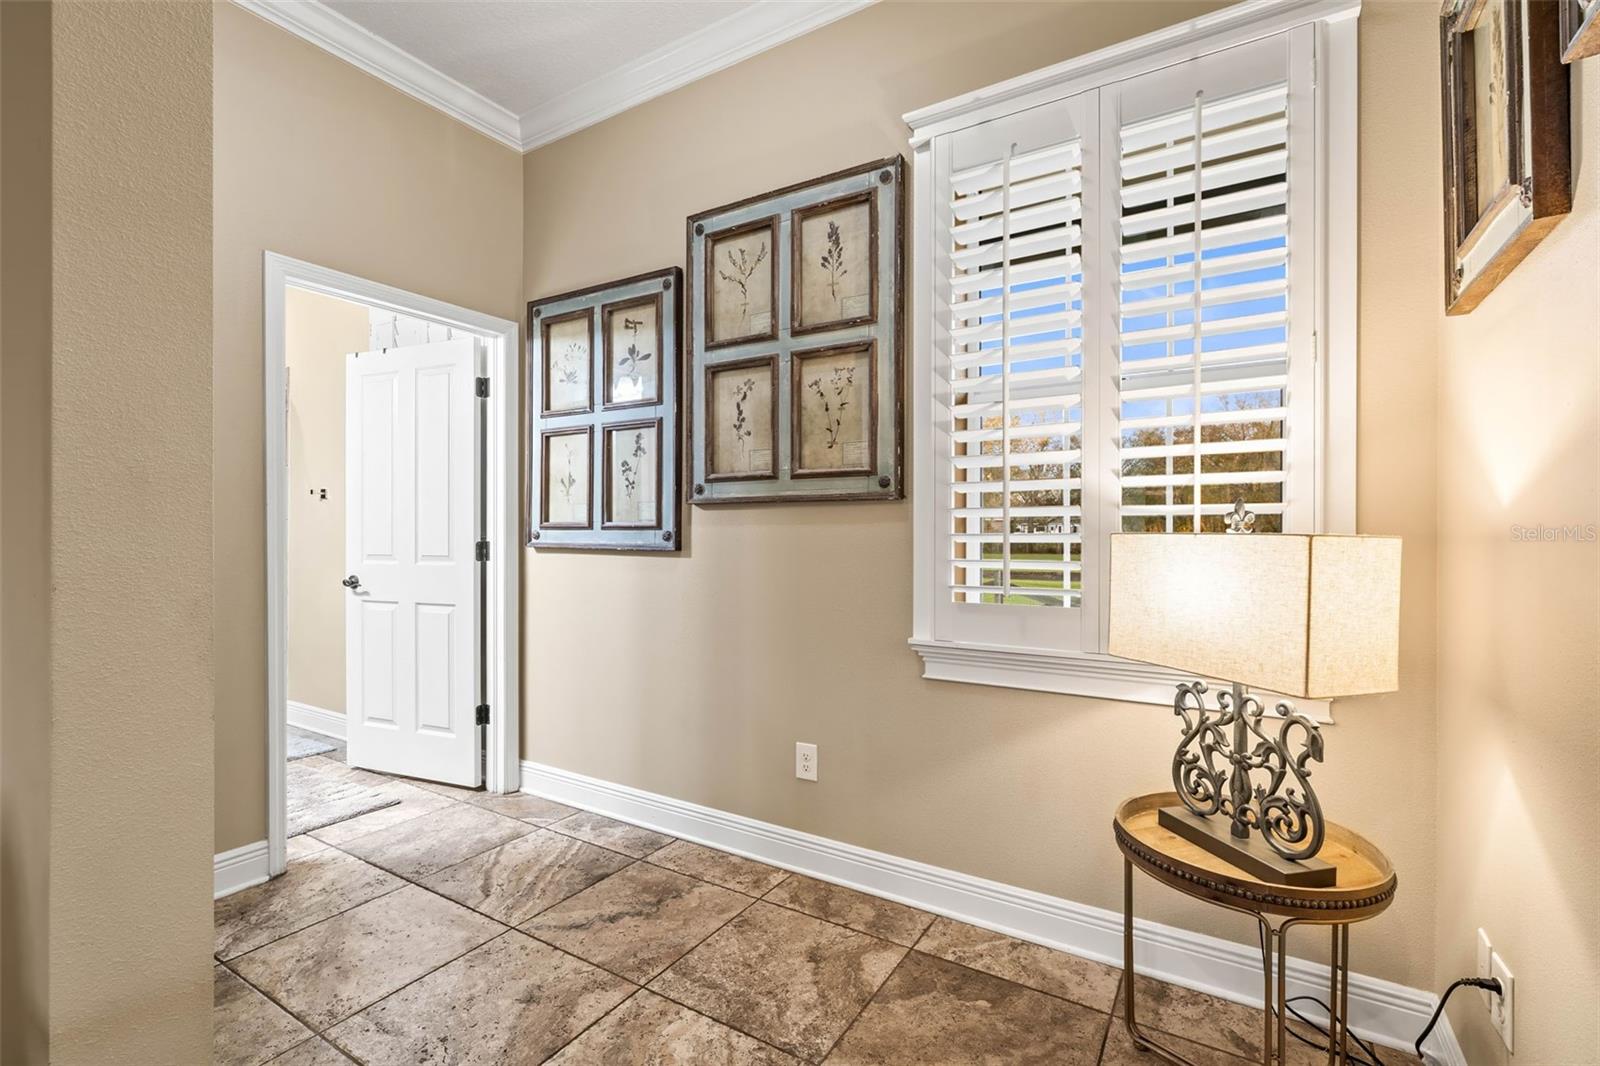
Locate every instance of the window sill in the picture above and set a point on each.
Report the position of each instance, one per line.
(1104, 677)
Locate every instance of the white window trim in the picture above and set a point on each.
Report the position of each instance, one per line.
(1088, 673)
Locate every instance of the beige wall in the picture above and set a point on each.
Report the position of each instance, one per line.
(1519, 628)
(316, 160)
(115, 920)
(25, 355)
(746, 642)
(789, 623)
(319, 332)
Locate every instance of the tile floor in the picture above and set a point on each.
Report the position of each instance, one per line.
(463, 928)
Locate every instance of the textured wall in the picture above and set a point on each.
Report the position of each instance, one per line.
(789, 623)
(130, 531)
(316, 160)
(24, 531)
(1519, 632)
(319, 331)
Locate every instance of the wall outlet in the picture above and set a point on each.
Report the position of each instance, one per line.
(1501, 1006)
(1484, 951)
(805, 761)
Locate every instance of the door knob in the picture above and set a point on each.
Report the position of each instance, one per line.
(352, 582)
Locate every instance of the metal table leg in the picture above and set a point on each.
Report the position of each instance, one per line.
(1275, 1024)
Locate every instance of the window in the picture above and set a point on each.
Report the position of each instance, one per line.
(1122, 293)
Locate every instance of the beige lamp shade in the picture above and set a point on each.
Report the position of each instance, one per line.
(1308, 616)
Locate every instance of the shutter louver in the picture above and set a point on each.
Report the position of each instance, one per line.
(1015, 378)
(1203, 312)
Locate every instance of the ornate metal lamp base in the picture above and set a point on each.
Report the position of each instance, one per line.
(1271, 828)
(1249, 853)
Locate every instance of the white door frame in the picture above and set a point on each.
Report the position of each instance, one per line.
(501, 486)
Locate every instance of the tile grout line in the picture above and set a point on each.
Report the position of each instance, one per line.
(319, 921)
(901, 961)
(645, 986)
(405, 882)
(1105, 1034)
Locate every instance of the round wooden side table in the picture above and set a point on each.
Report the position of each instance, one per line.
(1364, 887)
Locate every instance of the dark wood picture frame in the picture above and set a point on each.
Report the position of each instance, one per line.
(1580, 29)
(796, 361)
(587, 432)
(770, 224)
(652, 301)
(1483, 246)
(667, 290)
(796, 229)
(607, 431)
(545, 326)
(544, 375)
(770, 364)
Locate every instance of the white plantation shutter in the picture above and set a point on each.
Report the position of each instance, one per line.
(1122, 288)
(1011, 369)
(1213, 243)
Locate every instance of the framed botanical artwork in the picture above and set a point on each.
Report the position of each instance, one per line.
(567, 354)
(832, 428)
(567, 502)
(632, 465)
(1507, 139)
(632, 339)
(741, 283)
(742, 419)
(1580, 29)
(831, 276)
(603, 397)
(795, 313)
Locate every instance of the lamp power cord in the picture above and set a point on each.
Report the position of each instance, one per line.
(1490, 984)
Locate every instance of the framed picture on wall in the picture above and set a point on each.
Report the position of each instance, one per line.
(832, 428)
(741, 284)
(632, 339)
(633, 475)
(742, 419)
(568, 461)
(567, 358)
(833, 268)
(1580, 29)
(603, 373)
(1507, 139)
(794, 328)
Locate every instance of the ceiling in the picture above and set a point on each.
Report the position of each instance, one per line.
(529, 72)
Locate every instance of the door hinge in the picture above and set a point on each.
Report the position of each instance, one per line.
(483, 551)
(483, 388)
(483, 714)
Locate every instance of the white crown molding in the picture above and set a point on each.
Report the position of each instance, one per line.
(238, 869)
(313, 21)
(739, 36)
(1229, 26)
(1380, 1010)
(748, 32)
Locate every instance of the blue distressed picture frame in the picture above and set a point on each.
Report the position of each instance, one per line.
(780, 341)
(620, 413)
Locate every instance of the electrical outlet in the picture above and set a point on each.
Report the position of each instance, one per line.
(1502, 1006)
(1484, 951)
(805, 761)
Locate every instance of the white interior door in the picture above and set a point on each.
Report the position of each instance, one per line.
(412, 618)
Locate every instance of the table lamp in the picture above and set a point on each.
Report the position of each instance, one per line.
(1307, 616)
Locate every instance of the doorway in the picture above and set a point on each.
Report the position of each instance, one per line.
(445, 370)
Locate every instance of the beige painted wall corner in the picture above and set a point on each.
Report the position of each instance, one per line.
(319, 331)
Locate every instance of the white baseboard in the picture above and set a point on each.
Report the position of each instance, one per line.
(1380, 1010)
(232, 871)
(317, 719)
